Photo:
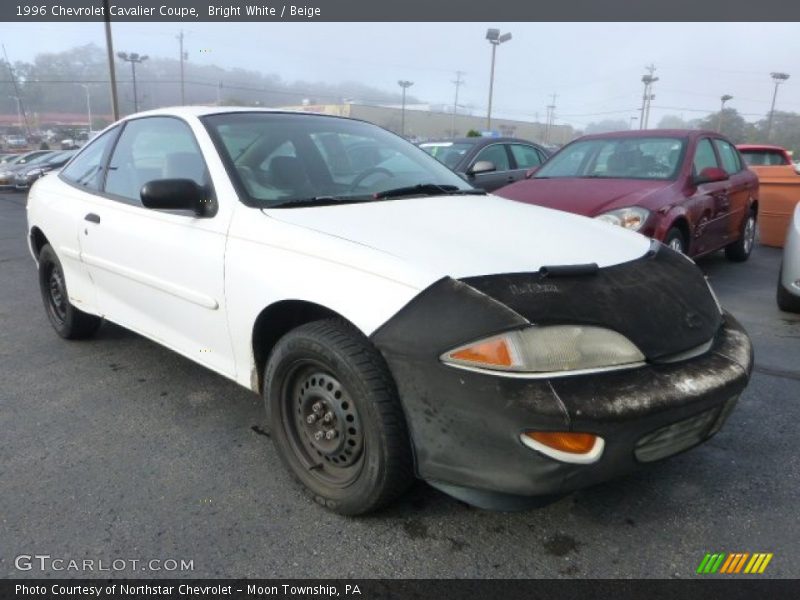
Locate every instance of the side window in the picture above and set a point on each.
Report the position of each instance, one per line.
(496, 153)
(729, 157)
(525, 156)
(153, 148)
(704, 156)
(87, 168)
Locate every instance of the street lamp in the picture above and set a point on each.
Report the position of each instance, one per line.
(85, 86)
(495, 39)
(134, 59)
(405, 85)
(778, 78)
(724, 98)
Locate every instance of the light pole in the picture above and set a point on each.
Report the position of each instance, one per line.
(19, 111)
(495, 39)
(458, 83)
(778, 78)
(724, 98)
(134, 59)
(405, 85)
(85, 86)
(648, 81)
(183, 57)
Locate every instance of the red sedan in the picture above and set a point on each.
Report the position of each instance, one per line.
(688, 188)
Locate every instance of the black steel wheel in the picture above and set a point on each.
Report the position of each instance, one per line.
(68, 321)
(336, 419)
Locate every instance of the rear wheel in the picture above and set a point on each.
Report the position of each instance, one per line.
(336, 417)
(786, 301)
(675, 240)
(739, 251)
(69, 322)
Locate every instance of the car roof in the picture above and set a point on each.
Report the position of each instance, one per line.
(639, 133)
(760, 147)
(202, 111)
(479, 140)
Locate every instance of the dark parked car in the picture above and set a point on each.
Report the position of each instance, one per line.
(9, 169)
(486, 162)
(688, 189)
(24, 178)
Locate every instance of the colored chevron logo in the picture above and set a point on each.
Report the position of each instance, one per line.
(735, 563)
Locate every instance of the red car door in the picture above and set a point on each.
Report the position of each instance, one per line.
(740, 188)
(710, 203)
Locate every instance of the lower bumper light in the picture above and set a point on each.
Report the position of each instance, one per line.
(576, 448)
(676, 437)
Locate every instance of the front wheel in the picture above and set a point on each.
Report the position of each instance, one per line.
(674, 239)
(69, 322)
(786, 302)
(739, 251)
(336, 417)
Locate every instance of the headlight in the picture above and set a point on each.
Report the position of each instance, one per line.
(33, 173)
(631, 218)
(553, 349)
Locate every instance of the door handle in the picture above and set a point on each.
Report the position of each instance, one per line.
(92, 218)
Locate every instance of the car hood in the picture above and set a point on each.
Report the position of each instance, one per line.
(462, 236)
(589, 197)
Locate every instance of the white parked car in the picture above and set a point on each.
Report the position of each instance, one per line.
(789, 279)
(396, 321)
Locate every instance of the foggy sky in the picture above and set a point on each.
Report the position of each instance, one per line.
(595, 68)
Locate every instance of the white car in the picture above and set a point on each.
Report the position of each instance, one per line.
(396, 321)
(789, 278)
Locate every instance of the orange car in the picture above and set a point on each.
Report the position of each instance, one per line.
(780, 189)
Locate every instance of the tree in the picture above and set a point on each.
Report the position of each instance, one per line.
(672, 122)
(728, 122)
(473, 133)
(607, 125)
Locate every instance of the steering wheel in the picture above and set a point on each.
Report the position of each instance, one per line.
(356, 183)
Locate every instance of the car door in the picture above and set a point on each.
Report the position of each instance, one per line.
(158, 272)
(709, 202)
(740, 187)
(499, 156)
(525, 157)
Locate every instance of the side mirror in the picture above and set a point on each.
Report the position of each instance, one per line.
(482, 166)
(710, 175)
(530, 172)
(176, 194)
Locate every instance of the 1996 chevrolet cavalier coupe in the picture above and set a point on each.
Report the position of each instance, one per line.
(396, 321)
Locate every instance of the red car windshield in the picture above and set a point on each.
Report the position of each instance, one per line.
(617, 158)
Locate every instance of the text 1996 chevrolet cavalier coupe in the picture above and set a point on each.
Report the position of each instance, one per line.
(396, 321)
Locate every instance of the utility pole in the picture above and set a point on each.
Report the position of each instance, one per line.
(648, 81)
(183, 58)
(112, 72)
(219, 93)
(458, 83)
(20, 107)
(405, 85)
(778, 78)
(551, 117)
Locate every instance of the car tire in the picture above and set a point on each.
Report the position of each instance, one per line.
(675, 240)
(786, 302)
(739, 251)
(324, 377)
(69, 322)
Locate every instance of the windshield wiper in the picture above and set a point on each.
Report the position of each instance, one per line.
(428, 189)
(320, 201)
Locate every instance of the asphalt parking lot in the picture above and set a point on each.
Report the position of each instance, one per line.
(117, 448)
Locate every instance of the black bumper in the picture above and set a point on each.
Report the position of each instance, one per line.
(466, 425)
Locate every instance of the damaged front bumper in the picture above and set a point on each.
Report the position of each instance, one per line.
(466, 426)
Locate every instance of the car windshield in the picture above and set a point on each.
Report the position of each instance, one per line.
(449, 153)
(763, 157)
(617, 158)
(278, 159)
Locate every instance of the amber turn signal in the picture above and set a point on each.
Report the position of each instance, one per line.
(493, 352)
(572, 443)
